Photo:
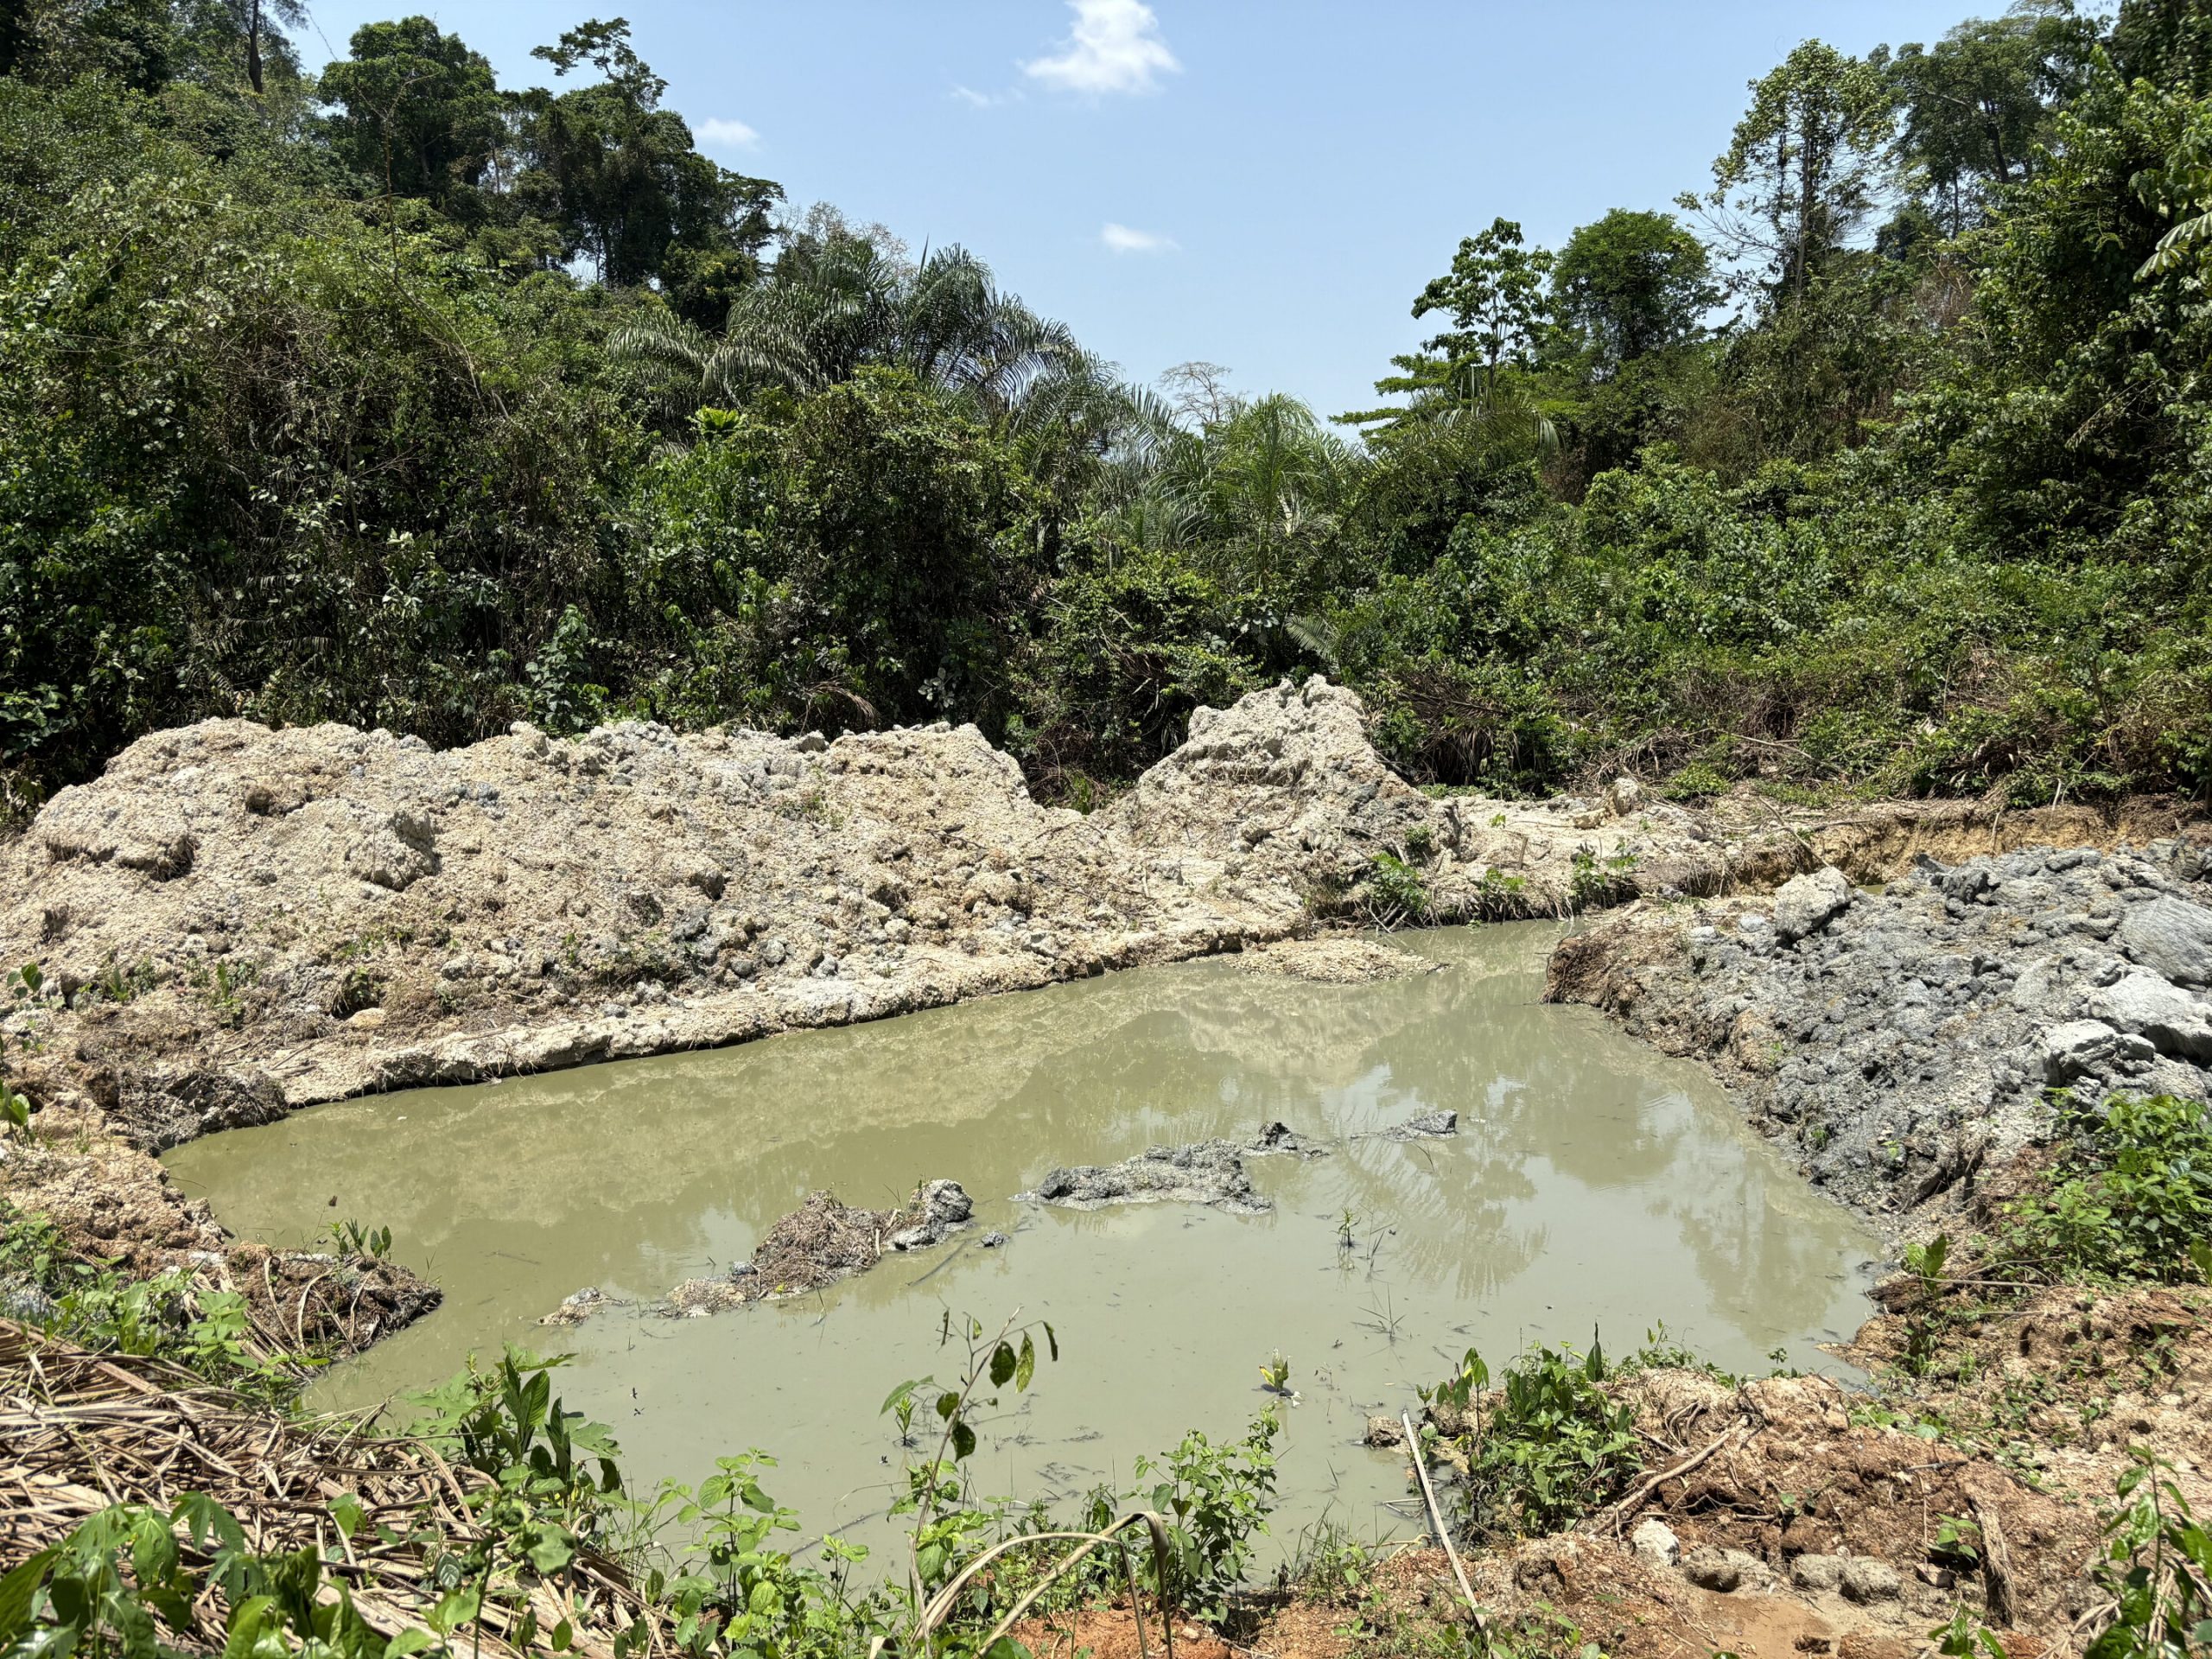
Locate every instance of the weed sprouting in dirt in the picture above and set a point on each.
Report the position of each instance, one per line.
(1545, 1445)
(352, 1239)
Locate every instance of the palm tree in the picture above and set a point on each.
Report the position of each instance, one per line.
(832, 305)
(1263, 488)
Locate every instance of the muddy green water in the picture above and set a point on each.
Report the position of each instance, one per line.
(1593, 1184)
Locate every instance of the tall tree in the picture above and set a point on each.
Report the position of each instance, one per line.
(1976, 108)
(619, 173)
(1800, 175)
(2168, 43)
(418, 110)
(1630, 284)
(1494, 294)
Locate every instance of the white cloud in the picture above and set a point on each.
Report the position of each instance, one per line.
(716, 133)
(1116, 47)
(1120, 238)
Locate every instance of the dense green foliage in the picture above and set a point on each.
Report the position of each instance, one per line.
(2130, 1198)
(396, 397)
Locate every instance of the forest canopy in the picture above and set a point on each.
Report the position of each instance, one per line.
(1880, 461)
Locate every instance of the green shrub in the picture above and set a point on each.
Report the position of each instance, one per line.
(1397, 892)
(1543, 1447)
(1219, 1497)
(2130, 1195)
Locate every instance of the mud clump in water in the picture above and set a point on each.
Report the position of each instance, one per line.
(1423, 1126)
(1281, 1137)
(574, 1310)
(822, 1242)
(1210, 1172)
(1336, 961)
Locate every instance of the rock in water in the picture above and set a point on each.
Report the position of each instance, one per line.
(941, 1208)
(574, 1310)
(1281, 1137)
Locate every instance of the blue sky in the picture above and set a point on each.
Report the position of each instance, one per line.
(1265, 186)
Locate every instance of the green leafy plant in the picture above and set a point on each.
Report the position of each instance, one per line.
(120, 1579)
(1964, 1637)
(2130, 1196)
(1216, 1498)
(170, 1313)
(1957, 1542)
(14, 1111)
(1925, 1261)
(2157, 1568)
(1543, 1446)
(117, 984)
(353, 1239)
(553, 1473)
(946, 1524)
(1592, 883)
(1397, 894)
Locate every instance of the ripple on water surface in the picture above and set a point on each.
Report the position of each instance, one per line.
(1592, 1184)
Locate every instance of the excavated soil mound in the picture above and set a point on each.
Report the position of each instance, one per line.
(1905, 1041)
(1800, 1486)
(233, 921)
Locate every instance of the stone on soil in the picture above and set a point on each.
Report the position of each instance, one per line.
(1806, 904)
(1865, 1580)
(1655, 1541)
